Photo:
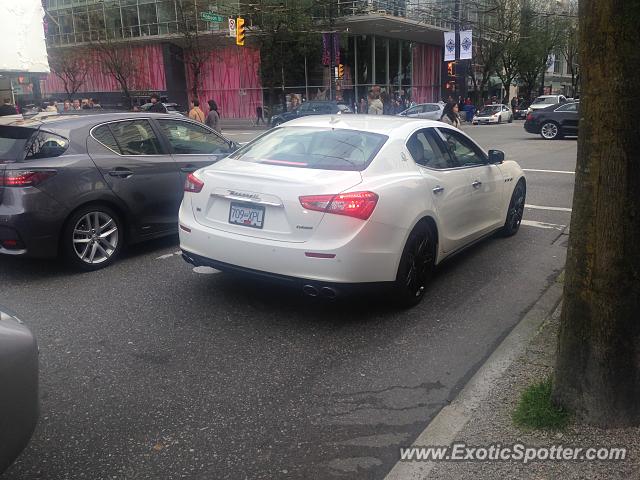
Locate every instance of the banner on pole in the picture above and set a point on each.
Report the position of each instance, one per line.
(232, 27)
(466, 45)
(449, 46)
(551, 60)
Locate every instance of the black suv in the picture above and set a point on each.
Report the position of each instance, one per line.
(84, 185)
(311, 108)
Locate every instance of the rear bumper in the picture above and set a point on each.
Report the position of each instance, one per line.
(33, 219)
(369, 255)
(481, 121)
(531, 127)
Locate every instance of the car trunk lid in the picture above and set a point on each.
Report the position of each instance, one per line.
(262, 201)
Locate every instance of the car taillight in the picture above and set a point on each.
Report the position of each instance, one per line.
(529, 117)
(352, 204)
(193, 184)
(25, 178)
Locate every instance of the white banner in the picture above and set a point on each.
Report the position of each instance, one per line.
(466, 44)
(232, 27)
(449, 46)
(551, 60)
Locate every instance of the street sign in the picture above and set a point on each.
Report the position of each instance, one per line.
(211, 17)
(232, 27)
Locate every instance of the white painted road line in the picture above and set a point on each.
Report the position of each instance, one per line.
(548, 226)
(555, 209)
(547, 171)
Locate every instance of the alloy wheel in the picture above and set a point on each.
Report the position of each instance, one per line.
(549, 131)
(516, 209)
(95, 237)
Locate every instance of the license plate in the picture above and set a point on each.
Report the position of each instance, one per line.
(245, 215)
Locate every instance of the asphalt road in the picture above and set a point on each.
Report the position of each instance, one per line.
(151, 370)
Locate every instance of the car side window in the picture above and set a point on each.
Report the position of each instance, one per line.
(431, 108)
(188, 138)
(462, 149)
(426, 151)
(135, 137)
(46, 145)
(103, 135)
(324, 109)
(569, 107)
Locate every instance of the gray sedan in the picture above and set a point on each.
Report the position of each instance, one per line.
(429, 111)
(19, 387)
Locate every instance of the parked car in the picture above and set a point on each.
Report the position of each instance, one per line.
(85, 185)
(428, 111)
(543, 101)
(19, 392)
(555, 121)
(521, 110)
(493, 114)
(174, 108)
(330, 204)
(310, 108)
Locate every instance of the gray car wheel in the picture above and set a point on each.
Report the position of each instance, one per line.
(550, 131)
(93, 237)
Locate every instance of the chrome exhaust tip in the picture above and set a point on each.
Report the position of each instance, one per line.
(310, 290)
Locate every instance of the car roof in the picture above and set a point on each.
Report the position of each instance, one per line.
(70, 121)
(382, 124)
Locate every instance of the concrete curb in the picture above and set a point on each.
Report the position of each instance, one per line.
(442, 430)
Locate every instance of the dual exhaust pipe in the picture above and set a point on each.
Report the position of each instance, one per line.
(313, 291)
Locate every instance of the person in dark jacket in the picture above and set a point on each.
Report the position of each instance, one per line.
(213, 117)
(156, 105)
(7, 108)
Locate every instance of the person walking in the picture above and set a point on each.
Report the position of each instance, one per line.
(7, 108)
(51, 107)
(375, 105)
(213, 118)
(156, 105)
(450, 115)
(195, 113)
(363, 106)
(514, 103)
(259, 115)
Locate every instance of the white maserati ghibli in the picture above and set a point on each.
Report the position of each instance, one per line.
(333, 202)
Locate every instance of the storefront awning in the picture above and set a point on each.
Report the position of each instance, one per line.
(392, 27)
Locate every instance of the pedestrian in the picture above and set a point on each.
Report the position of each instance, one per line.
(363, 106)
(195, 113)
(156, 105)
(66, 106)
(213, 118)
(85, 104)
(51, 107)
(7, 108)
(95, 103)
(76, 104)
(259, 114)
(450, 115)
(375, 105)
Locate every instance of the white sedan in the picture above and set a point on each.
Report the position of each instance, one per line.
(332, 202)
(493, 114)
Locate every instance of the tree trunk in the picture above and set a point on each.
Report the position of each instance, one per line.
(598, 365)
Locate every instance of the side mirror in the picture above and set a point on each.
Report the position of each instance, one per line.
(496, 156)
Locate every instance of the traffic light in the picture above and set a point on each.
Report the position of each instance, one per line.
(240, 31)
(340, 70)
(451, 69)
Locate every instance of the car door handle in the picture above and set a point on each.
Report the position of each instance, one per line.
(188, 169)
(476, 184)
(121, 172)
(438, 189)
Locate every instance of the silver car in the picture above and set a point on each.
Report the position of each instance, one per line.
(429, 111)
(18, 387)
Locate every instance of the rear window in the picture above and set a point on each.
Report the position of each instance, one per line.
(12, 143)
(546, 100)
(320, 148)
(19, 143)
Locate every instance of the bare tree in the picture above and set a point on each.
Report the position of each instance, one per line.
(71, 66)
(570, 45)
(597, 373)
(116, 59)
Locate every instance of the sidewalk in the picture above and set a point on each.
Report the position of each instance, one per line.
(481, 421)
(241, 124)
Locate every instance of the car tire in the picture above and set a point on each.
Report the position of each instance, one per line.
(92, 237)
(550, 131)
(416, 266)
(499, 119)
(511, 119)
(515, 211)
